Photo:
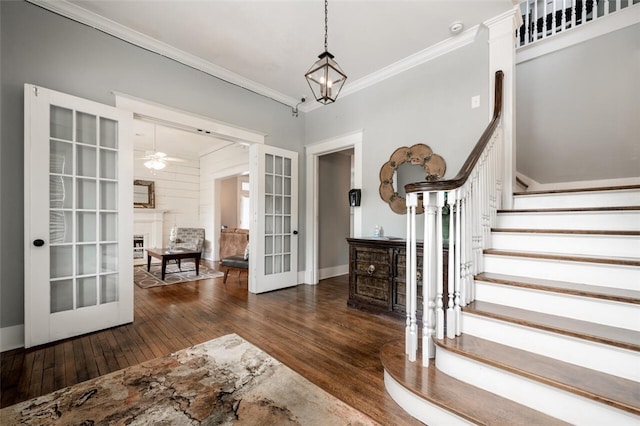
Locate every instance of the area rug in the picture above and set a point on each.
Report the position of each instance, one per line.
(226, 381)
(145, 279)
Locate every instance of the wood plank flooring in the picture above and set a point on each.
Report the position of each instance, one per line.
(308, 328)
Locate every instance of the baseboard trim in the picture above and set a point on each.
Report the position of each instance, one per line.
(333, 271)
(11, 337)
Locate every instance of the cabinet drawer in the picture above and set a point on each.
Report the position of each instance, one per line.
(373, 269)
(372, 288)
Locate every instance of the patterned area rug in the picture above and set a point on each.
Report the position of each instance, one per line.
(145, 279)
(226, 381)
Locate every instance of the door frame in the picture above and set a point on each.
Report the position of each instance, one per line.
(312, 154)
(209, 216)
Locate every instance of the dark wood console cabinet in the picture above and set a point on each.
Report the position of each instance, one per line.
(377, 275)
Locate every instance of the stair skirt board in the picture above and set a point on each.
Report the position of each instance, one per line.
(579, 244)
(611, 313)
(608, 359)
(628, 220)
(419, 408)
(606, 275)
(629, 197)
(547, 399)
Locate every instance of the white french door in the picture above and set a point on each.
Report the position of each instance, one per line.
(273, 260)
(78, 195)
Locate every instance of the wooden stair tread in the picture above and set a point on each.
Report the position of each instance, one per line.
(627, 261)
(614, 336)
(572, 209)
(574, 190)
(462, 399)
(568, 231)
(585, 290)
(614, 391)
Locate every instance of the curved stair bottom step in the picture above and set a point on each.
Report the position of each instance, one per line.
(548, 399)
(435, 398)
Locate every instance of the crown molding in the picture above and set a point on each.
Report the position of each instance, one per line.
(83, 16)
(419, 58)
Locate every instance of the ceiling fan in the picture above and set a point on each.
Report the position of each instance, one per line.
(157, 160)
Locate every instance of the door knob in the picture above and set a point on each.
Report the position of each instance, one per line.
(295, 232)
(38, 242)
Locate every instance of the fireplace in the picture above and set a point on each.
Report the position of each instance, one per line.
(147, 233)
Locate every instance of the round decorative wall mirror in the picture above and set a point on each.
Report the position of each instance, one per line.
(394, 170)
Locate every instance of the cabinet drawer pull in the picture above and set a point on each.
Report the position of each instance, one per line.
(419, 274)
(371, 269)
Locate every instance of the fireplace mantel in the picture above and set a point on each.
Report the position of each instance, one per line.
(147, 223)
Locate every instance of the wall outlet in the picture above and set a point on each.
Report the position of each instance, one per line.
(475, 102)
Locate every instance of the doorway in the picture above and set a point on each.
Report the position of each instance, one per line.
(314, 152)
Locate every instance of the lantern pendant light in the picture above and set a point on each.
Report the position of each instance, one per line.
(325, 77)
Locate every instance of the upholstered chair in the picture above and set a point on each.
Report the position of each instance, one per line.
(190, 239)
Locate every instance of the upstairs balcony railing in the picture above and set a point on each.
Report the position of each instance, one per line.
(545, 18)
(473, 197)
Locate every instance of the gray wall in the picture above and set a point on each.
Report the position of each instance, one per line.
(334, 175)
(578, 111)
(428, 104)
(42, 48)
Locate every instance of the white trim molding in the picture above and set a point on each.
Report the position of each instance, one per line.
(11, 337)
(592, 29)
(185, 120)
(313, 152)
(84, 16)
(412, 61)
(79, 14)
(502, 57)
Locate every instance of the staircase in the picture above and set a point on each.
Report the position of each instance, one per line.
(553, 335)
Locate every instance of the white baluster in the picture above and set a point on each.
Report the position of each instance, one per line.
(553, 17)
(583, 18)
(535, 20)
(451, 281)
(411, 329)
(544, 19)
(439, 325)
(563, 16)
(573, 12)
(459, 267)
(606, 7)
(527, 38)
(618, 5)
(429, 278)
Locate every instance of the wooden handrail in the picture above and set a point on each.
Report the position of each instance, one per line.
(467, 167)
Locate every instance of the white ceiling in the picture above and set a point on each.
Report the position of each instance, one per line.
(268, 45)
(177, 143)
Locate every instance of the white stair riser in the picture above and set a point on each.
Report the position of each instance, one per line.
(618, 276)
(618, 221)
(607, 312)
(549, 400)
(584, 199)
(607, 359)
(419, 408)
(584, 244)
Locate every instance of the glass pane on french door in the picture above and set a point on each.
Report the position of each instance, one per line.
(277, 238)
(83, 209)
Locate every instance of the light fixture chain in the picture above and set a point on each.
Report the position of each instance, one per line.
(326, 23)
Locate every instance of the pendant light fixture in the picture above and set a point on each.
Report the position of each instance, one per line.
(325, 77)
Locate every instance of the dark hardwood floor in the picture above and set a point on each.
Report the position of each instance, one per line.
(308, 328)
